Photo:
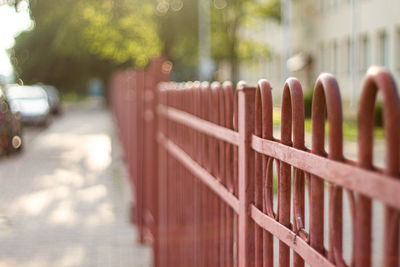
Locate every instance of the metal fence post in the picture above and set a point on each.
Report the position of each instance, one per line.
(246, 112)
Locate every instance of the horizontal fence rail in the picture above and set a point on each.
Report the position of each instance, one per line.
(215, 162)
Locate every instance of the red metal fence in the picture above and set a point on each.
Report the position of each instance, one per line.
(211, 202)
(133, 98)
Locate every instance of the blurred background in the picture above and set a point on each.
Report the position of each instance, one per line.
(75, 46)
(58, 56)
(69, 43)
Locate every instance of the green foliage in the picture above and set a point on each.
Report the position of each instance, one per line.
(178, 29)
(72, 97)
(378, 115)
(73, 41)
(177, 22)
(308, 95)
(271, 10)
(350, 128)
(121, 31)
(228, 43)
(11, 3)
(250, 50)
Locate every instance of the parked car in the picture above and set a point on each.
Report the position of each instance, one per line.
(10, 128)
(31, 102)
(53, 97)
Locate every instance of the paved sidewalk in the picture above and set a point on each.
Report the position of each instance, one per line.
(64, 200)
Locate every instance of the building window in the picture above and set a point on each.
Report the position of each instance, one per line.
(334, 4)
(321, 5)
(277, 66)
(397, 49)
(348, 55)
(321, 57)
(334, 57)
(365, 56)
(327, 58)
(383, 49)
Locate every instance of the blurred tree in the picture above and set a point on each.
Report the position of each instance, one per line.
(229, 17)
(11, 3)
(73, 41)
(87, 38)
(177, 22)
(178, 29)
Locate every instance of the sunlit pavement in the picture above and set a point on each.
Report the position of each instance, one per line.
(64, 201)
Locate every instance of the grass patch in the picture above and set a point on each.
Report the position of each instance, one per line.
(350, 130)
(73, 97)
(275, 185)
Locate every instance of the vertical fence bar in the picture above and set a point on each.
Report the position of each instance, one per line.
(284, 187)
(235, 181)
(326, 100)
(150, 161)
(292, 122)
(214, 114)
(222, 172)
(138, 150)
(378, 79)
(162, 169)
(258, 181)
(267, 133)
(197, 184)
(246, 100)
(228, 93)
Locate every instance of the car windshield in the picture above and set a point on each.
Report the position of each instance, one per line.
(25, 92)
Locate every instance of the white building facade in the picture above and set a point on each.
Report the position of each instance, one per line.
(342, 37)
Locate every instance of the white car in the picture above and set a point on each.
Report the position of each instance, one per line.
(53, 97)
(30, 102)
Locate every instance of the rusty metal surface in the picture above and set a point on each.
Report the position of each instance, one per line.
(207, 188)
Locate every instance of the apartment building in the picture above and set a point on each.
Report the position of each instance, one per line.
(342, 37)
